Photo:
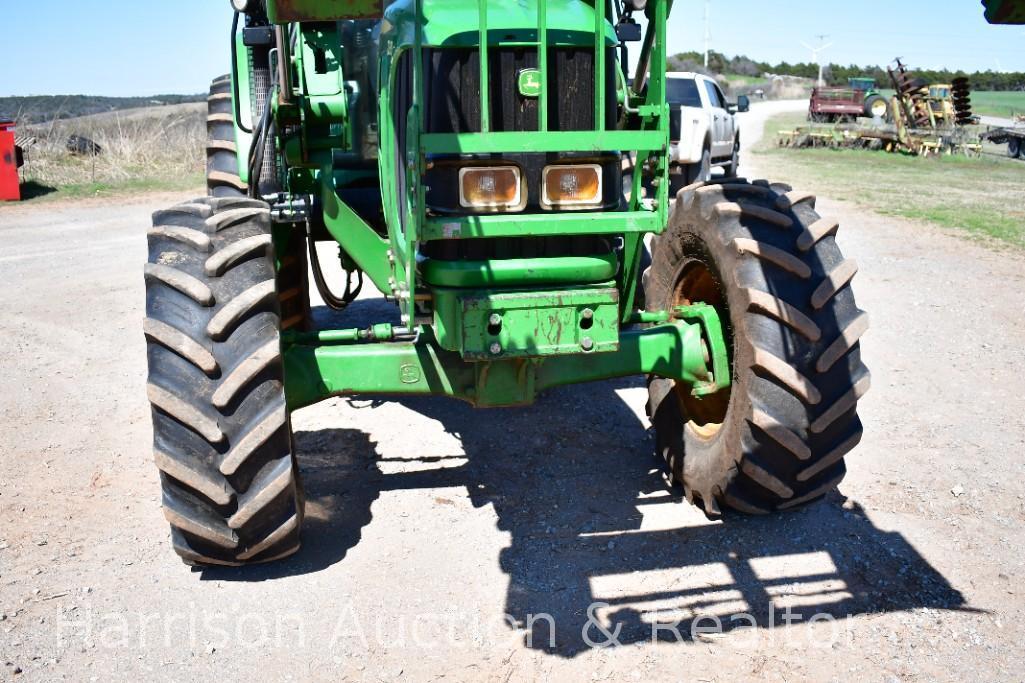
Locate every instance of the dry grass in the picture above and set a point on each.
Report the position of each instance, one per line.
(161, 148)
(978, 196)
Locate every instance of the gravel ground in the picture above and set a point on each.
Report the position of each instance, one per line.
(448, 543)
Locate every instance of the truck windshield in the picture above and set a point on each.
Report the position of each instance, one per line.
(682, 92)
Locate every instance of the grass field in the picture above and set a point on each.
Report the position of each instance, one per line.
(739, 81)
(143, 150)
(1002, 104)
(982, 197)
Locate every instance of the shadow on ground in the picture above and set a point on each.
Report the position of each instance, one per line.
(569, 479)
(32, 189)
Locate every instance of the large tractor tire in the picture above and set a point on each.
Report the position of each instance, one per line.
(221, 430)
(768, 263)
(876, 107)
(223, 180)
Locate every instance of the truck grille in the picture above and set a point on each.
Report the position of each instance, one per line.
(453, 90)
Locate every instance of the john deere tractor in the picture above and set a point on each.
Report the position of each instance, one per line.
(467, 158)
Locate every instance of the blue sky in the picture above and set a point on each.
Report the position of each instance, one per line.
(146, 47)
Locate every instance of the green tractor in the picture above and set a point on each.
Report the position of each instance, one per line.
(876, 105)
(467, 159)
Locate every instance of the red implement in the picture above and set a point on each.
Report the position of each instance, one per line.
(10, 185)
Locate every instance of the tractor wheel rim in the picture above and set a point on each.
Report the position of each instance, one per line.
(697, 283)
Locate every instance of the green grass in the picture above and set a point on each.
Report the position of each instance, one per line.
(981, 197)
(1002, 104)
(739, 81)
(36, 192)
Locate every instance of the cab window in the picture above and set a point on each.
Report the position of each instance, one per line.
(714, 96)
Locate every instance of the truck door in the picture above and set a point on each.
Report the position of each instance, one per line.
(719, 114)
(729, 123)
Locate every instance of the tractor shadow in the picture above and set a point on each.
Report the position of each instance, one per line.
(595, 530)
(593, 525)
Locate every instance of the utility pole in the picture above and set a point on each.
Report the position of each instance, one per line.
(708, 31)
(815, 55)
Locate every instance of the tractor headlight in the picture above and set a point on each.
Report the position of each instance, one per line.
(572, 186)
(490, 187)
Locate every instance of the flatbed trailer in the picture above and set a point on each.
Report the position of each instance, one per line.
(1012, 136)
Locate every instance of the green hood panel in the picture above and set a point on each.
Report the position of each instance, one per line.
(454, 23)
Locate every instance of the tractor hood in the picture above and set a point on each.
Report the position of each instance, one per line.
(454, 23)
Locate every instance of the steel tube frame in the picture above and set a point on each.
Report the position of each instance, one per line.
(315, 372)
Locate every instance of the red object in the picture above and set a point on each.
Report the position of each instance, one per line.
(10, 184)
(830, 102)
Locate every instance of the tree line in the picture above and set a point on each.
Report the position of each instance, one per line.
(837, 74)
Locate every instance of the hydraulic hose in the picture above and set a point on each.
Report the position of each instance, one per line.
(333, 301)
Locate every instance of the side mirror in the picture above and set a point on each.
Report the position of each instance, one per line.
(628, 31)
(743, 103)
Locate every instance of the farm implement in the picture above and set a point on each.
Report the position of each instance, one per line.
(921, 119)
(839, 105)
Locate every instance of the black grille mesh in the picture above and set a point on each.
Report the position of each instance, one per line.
(453, 90)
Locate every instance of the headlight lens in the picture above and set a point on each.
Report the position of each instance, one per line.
(490, 187)
(573, 185)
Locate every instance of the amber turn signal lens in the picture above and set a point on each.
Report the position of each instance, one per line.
(573, 185)
(490, 187)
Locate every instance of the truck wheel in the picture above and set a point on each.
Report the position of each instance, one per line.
(768, 263)
(700, 172)
(679, 178)
(732, 169)
(221, 431)
(875, 106)
(1014, 148)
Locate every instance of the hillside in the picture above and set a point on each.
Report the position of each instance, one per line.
(144, 148)
(40, 108)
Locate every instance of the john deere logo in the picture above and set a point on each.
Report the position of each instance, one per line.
(530, 83)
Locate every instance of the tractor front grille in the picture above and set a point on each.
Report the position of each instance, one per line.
(452, 104)
(453, 90)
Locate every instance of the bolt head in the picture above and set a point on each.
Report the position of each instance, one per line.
(496, 349)
(588, 314)
(587, 344)
(495, 319)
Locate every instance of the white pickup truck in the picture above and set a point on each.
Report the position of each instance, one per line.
(702, 129)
